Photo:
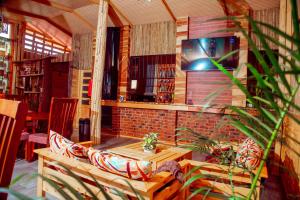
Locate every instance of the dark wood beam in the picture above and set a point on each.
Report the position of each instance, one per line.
(114, 17)
(169, 10)
(28, 14)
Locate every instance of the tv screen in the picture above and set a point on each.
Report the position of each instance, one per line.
(196, 53)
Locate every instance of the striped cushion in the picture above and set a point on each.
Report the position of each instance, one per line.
(131, 169)
(248, 154)
(65, 147)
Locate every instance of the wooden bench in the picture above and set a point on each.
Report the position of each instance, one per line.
(161, 186)
(220, 179)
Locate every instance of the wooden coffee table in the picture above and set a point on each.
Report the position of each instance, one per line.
(163, 153)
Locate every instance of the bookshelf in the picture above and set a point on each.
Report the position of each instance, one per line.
(33, 82)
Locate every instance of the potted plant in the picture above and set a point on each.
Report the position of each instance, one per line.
(150, 142)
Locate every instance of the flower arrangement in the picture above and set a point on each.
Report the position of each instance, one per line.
(150, 142)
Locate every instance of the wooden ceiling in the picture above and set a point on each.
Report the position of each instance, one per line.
(66, 17)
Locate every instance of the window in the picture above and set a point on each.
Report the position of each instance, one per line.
(38, 43)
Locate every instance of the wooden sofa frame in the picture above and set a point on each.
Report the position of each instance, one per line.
(220, 179)
(161, 186)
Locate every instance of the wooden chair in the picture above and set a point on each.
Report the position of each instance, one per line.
(12, 120)
(61, 117)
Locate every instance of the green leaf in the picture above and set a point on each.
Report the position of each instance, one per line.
(17, 179)
(55, 186)
(18, 195)
(200, 191)
(250, 116)
(77, 178)
(270, 116)
(258, 56)
(262, 83)
(270, 54)
(69, 187)
(193, 179)
(244, 129)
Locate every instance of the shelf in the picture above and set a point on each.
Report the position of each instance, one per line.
(32, 60)
(31, 92)
(31, 75)
(22, 88)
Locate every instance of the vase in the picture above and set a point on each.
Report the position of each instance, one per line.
(153, 151)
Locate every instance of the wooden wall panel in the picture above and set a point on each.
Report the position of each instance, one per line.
(182, 29)
(153, 39)
(288, 152)
(202, 84)
(201, 27)
(124, 60)
(82, 51)
(269, 16)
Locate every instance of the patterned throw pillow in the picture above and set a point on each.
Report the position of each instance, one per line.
(128, 168)
(65, 147)
(248, 154)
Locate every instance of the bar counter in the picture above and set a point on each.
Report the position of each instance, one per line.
(175, 107)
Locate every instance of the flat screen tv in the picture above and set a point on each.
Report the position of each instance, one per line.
(196, 53)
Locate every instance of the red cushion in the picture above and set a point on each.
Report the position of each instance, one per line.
(41, 138)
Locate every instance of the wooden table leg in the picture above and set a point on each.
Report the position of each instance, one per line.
(40, 182)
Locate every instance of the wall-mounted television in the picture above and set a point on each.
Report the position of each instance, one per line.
(196, 53)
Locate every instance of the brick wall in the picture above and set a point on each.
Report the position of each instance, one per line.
(137, 122)
(208, 124)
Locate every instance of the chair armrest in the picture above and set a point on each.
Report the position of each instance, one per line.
(87, 143)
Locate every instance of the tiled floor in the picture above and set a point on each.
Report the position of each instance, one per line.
(27, 185)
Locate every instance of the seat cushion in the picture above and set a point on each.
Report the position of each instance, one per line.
(132, 169)
(65, 147)
(248, 154)
(24, 136)
(40, 138)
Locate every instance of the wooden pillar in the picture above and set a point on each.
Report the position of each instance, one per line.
(98, 71)
(238, 97)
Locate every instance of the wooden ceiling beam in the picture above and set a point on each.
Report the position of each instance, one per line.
(165, 3)
(56, 40)
(235, 8)
(54, 5)
(28, 14)
(115, 9)
(114, 17)
(66, 9)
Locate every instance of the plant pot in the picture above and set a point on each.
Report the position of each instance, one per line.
(153, 151)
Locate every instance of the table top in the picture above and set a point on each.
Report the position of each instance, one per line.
(31, 116)
(164, 153)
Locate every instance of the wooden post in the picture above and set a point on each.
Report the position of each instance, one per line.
(98, 71)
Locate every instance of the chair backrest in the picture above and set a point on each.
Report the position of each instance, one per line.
(61, 117)
(12, 120)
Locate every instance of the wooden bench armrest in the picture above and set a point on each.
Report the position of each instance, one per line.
(87, 143)
(193, 163)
